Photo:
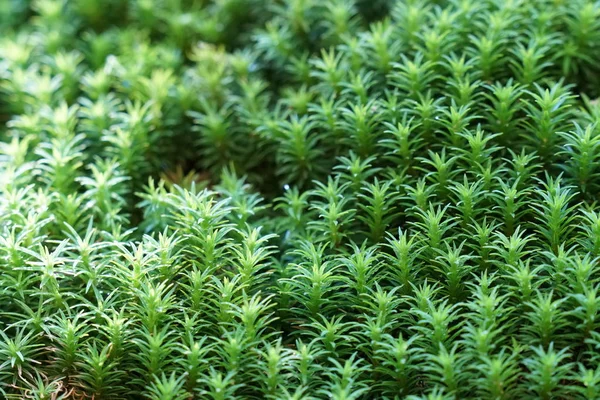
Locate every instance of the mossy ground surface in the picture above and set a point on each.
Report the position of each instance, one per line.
(299, 199)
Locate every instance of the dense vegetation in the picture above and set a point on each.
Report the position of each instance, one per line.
(299, 199)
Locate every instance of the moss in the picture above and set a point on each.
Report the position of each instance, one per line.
(299, 199)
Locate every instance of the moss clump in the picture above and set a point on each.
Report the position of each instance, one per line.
(299, 199)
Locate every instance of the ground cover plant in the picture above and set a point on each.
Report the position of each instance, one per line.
(299, 199)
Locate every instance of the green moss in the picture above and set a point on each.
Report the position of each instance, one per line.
(299, 199)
